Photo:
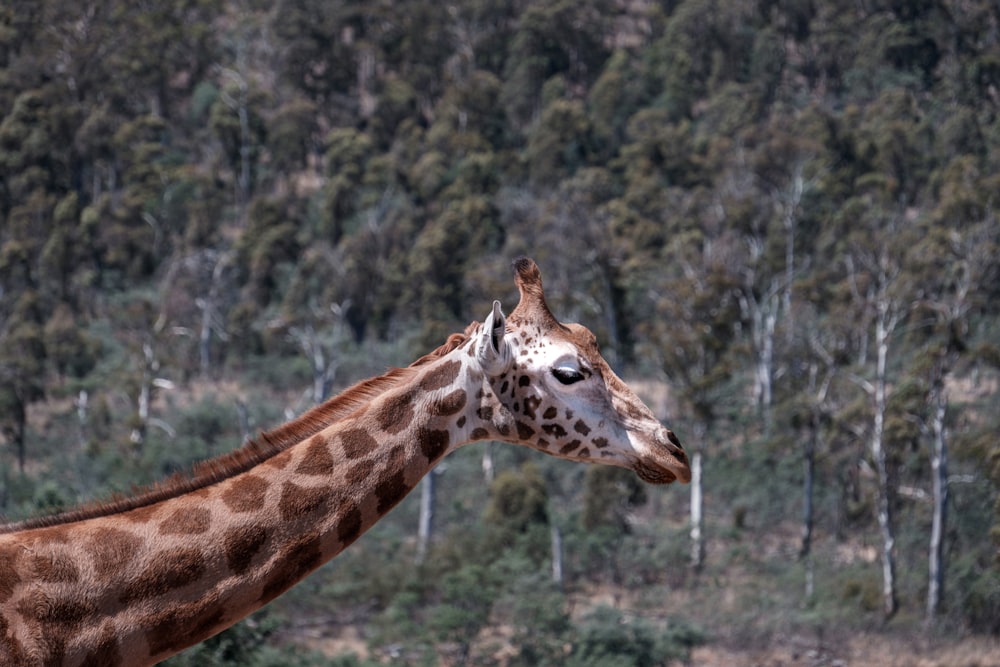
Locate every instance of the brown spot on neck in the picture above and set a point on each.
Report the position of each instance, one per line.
(396, 412)
(106, 652)
(112, 550)
(448, 405)
(357, 443)
(317, 460)
(433, 443)
(241, 544)
(184, 624)
(390, 491)
(440, 376)
(187, 521)
(245, 493)
(9, 577)
(167, 571)
(10, 647)
(349, 526)
(54, 568)
(295, 561)
(299, 501)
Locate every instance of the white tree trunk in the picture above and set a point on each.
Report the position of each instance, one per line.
(884, 324)
(939, 483)
(557, 556)
(697, 545)
(425, 527)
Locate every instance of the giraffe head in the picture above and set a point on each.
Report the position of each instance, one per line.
(551, 389)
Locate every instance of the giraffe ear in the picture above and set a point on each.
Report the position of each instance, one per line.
(492, 349)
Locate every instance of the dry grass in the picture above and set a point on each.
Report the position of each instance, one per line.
(869, 650)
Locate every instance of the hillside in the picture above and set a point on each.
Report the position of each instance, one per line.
(779, 217)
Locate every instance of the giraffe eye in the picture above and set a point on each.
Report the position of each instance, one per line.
(567, 375)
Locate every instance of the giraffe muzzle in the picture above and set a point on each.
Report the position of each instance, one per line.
(666, 461)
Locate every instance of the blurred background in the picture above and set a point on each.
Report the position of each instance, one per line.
(778, 216)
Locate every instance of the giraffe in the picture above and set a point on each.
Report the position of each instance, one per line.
(137, 579)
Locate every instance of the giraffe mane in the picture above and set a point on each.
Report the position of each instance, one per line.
(254, 452)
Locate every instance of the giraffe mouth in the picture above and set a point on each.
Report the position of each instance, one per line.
(653, 474)
(668, 462)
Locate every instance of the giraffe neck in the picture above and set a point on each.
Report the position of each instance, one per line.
(136, 587)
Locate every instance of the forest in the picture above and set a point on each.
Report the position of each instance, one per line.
(778, 216)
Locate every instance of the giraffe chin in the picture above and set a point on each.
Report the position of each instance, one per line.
(652, 473)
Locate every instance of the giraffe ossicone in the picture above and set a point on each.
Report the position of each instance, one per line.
(133, 581)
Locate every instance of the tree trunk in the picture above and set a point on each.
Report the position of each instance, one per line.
(425, 525)
(489, 473)
(884, 324)
(939, 482)
(697, 545)
(81, 418)
(149, 367)
(809, 472)
(557, 558)
(763, 313)
(208, 306)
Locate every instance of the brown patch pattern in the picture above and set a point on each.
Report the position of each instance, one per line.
(184, 624)
(569, 447)
(280, 460)
(433, 443)
(245, 493)
(10, 646)
(390, 491)
(112, 550)
(9, 578)
(298, 501)
(317, 460)
(396, 412)
(106, 652)
(167, 571)
(448, 404)
(294, 562)
(38, 605)
(349, 526)
(54, 568)
(555, 430)
(442, 376)
(357, 443)
(241, 544)
(187, 521)
(361, 471)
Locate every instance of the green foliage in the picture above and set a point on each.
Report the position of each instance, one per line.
(607, 638)
(247, 644)
(518, 501)
(719, 190)
(609, 494)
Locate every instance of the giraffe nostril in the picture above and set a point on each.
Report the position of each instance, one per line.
(668, 439)
(673, 438)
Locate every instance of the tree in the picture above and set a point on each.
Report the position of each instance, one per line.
(884, 298)
(696, 317)
(952, 265)
(21, 372)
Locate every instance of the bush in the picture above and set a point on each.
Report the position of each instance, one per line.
(607, 639)
(247, 644)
